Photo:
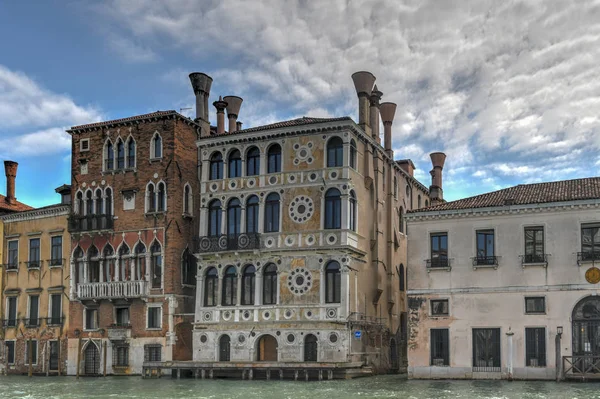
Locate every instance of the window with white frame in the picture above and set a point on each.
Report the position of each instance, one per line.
(156, 147)
(10, 352)
(109, 156)
(90, 319)
(84, 145)
(154, 317)
(12, 261)
(131, 152)
(150, 198)
(188, 200)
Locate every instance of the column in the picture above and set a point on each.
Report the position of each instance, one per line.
(72, 281)
(118, 268)
(224, 219)
(345, 292)
(243, 219)
(199, 288)
(258, 283)
(261, 214)
(345, 212)
(86, 266)
(146, 276)
(509, 361)
(102, 265)
(238, 294)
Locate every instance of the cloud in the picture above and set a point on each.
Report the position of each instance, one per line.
(131, 51)
(43, 142)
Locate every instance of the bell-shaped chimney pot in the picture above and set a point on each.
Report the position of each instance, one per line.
(387, 110)
(234, 103)
(363, 83)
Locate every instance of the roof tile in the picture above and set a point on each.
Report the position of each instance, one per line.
(289, 123)
(15, 207)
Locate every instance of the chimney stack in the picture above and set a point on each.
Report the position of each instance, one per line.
(436, 194)
(201, 83)
(238, 126)
(220, 106)
(388, 110)
(10, 168)
(375, 98)
(234, 103)
(363, 83)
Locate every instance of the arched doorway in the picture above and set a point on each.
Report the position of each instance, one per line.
(267, 349)
(586, 327)
(224, 348)
(393, 355)
(92, 360)
(311, 348)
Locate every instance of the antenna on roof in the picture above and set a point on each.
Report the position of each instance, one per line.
(185, 109)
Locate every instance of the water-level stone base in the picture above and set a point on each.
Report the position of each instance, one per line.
(525, 373)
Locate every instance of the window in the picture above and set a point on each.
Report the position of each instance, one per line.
(335, 152)
(187, 200)
(214, 218)
(352, 219)
(131, 153)
(156, 146)
(401, 277)
(535, 347)
(84, 145)
(34, 311)
(55, 309)
(34, 253)
(535, 305)
(224, 348)
(311, 348)
(332, 282)
(395, 187)
(93, 265)
(440, 347)
(139, 262)
(400, 220)
(210, 287)
(234, 215)
(34, 351)
(11, 311)
(152, 353)
(270, 285)
(154, 318)
(120, 355)
(534, 245)
(234, 167)
(426, 203)
(156, 259)
(89, 203)
(120, 155)
(91, 319)
(274, 159)
(439, 307)
(98, 202)
(150, 198)
(272, 213)
(79, 208)
(248, 284)
(188, 268)
(108, 209)
(78, 256)
(124, 262)
(110, 156)
(122, 317)
(229, 287)
(353, 154)
(590, 242)
(252, 215)
(109, 263)
(13, 255)
(333, 209)
(10, 352)
(486, 349)
(216, 166)
(161, 197)
(485, 247)
(439, 250)
(253, 162)
(419, 201)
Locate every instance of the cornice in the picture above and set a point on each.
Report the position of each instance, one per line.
(36, 214)
(134, 122)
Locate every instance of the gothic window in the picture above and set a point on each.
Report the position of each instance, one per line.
(335, 152)
(187, 200)
(156, 260)
(229, 287)
(124, 271)
(352, 219)
(156, 148)
(353, 154)
(109, 161)
(140, 262)
(248, 284)
(79, 204)
(216, 166)
(89, 203)
(419, 201)
(270, 285)
(333, 209)
(131, 153)
(400, 220)
(120, 154)
(214, 218)
(109, 263)
(234, 166)
(150, 198)
(253, 162)
(252, 214)
(332, 282)
(234, 214)
(272, 213)
(78, 256)
(98, 202)
(274, 159)
(161, 197)
(210, 287)
(93, 265)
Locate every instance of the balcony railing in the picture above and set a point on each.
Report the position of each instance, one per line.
(227, 242)
(438, 263)
(34, 264)
(56, 262)
(6, 323)
(113, 290)
(528, 259)
(581, 366)
(588, 256)
(78, 223)
(55, 321)
(32, 323)
(11, 266)
(485, 261)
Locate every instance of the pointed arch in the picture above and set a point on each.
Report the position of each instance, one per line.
(188, 267)
(79, 207)
(93, 264)
(156, 264)
(150, 198)
(120, 153)
(131, 152)
(78, 257)
(156, 146)
(108, 201)
(109, 155)
(188, 200)
(161, 196)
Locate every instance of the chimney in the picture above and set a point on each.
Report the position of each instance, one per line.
(238, 126)
(388, 110)
(436, 194)
(408, 166)
(374, 120)
(363, 83)
(220, 106)
(10, 168)
(201, 83)
(234, 103)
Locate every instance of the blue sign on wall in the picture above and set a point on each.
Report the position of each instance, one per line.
(357, 334)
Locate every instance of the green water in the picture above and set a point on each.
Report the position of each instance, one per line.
(375, 387)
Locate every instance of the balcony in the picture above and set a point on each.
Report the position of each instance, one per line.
(485, 261)
(11, 267)
(33, 264)
(32, 323)
(438, 264)
(112, 290)
(588, 257)
(78, 223)
(55, 321)
(534, 259)
(234, 242)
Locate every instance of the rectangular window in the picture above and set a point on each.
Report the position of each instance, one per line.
(12, 261)
(122, 317)
(34, 253)
(439, 307)
(590, 242)
(10, 352)
(440, 347)
(84, 145)
(535, 305)
(121, 355)
(34, 307)
(152, 353)
(486, 349)
(91, 319)
(534, 244)
(11, 311)
(34, 351)
(56, 251)
(535, 347)
(154, 317)
(439, 250)
(55, 309)
(485, 247)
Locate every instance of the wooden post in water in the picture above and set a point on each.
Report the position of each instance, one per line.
(78, 355)
(30, 356)
(104, 360)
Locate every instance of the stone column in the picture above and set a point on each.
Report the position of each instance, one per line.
(258, 283)
(72, 281)
(199, 289)
(86, 273)
(223, 219)
(243, 219)
(261, 215)
(118, 268)
(344, 293)
(509, 360)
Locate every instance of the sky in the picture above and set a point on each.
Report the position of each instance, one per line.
(509, 90)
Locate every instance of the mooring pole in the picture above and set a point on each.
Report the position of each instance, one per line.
(104, 344)
(558, 359)
(78, 355)
(30, 356)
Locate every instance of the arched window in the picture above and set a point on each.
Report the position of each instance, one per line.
(131, 153)
(216, 166)
(140, 262)
(274, 159)
(234, 167)
(272, 213)
(224, 348)
(156, 264)
(187, 200)
(79, 204)
(161, 197)
(419, 201)
(214, 218)
(109, 263)
(352, 218)
(248, 279)
(395, 187)
(311, 348)
(270, 285)
(333, 209)
(188, 268)
(210, 287)
(401, 276)
(108, 208)
(401, 220)
(335, 152)
(332, 282)
(79, 273)
(93, 265)
(89, 203)
(109, 162)
(98, 206)
(426, 203)
(353, 154)
(156, 146)
(120, 154)
(229, 287)
(124, 256)
(253, 162)
(234, 215)
(252, 214)
(150, 198)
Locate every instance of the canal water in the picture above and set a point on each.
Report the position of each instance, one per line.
(374, 387)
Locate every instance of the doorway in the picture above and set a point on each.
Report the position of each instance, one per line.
(267, 349)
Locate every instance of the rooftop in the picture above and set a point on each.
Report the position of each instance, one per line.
(157, 114)
(17, 206)
(305, 120)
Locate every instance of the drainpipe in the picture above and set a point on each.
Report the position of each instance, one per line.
(509, 364)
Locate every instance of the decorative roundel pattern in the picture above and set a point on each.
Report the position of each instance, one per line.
(291, 178)
(303, 153)
(204, 244)
(291, 338)
(301, 209)
(333, 338)
(203, 338)
(214, 187)
(288, 314)
(333, 175)
(227, 315)
(331, 313)
(299, 281)
(331, 239)
(266, 315)
(312, 176)
(309, 314)
(223, 242)
(269, 242)
(207, 316)
(246, 315)
(290, 241)
(241, 338)
(273, 180)
(243, 241)
(250, 182)
(232, 184)
(310, 240)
